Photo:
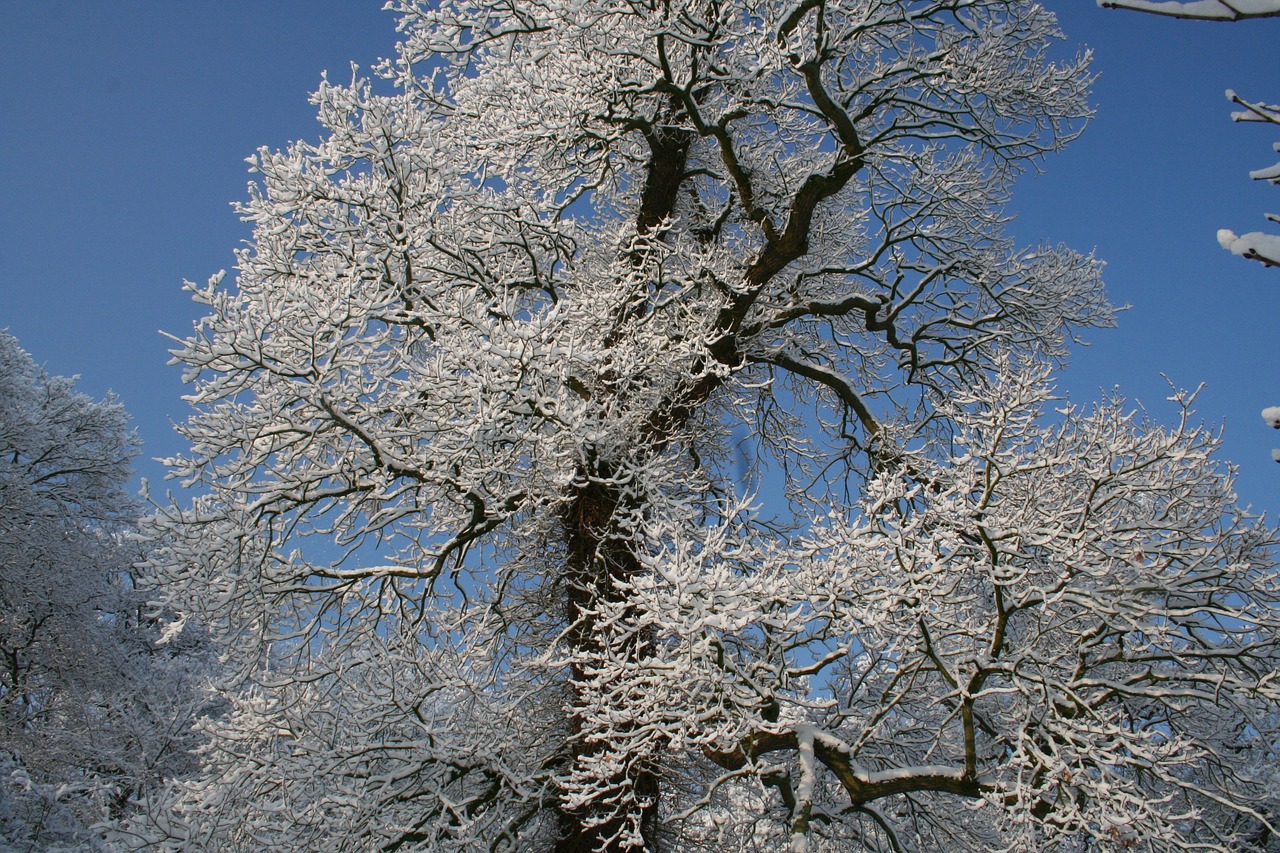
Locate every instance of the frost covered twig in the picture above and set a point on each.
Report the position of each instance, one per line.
(1200, 10)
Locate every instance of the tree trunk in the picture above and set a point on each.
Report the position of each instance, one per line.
(597, 559)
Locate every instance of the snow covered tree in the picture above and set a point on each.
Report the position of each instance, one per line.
(472, 531)
(92, 714)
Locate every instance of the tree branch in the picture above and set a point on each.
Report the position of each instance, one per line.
(1200, 10)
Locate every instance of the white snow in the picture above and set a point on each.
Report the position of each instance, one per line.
(1255, 246)
(1213, 10)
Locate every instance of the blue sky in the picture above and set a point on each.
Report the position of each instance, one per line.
(124, 126)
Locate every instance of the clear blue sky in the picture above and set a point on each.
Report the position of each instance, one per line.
(124, 126)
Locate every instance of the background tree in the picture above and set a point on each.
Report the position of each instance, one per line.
(471, 532)
(92, 712)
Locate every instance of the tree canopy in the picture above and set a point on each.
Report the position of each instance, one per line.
(629, 428)
(93, 714)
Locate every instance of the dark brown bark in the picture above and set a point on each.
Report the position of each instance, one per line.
(597, 560)
(859, 790)
(670, 152)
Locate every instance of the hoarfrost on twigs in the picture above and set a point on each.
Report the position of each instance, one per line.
(473, 530)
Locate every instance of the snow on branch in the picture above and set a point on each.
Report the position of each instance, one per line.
(1256, 245)
(1201, 10)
